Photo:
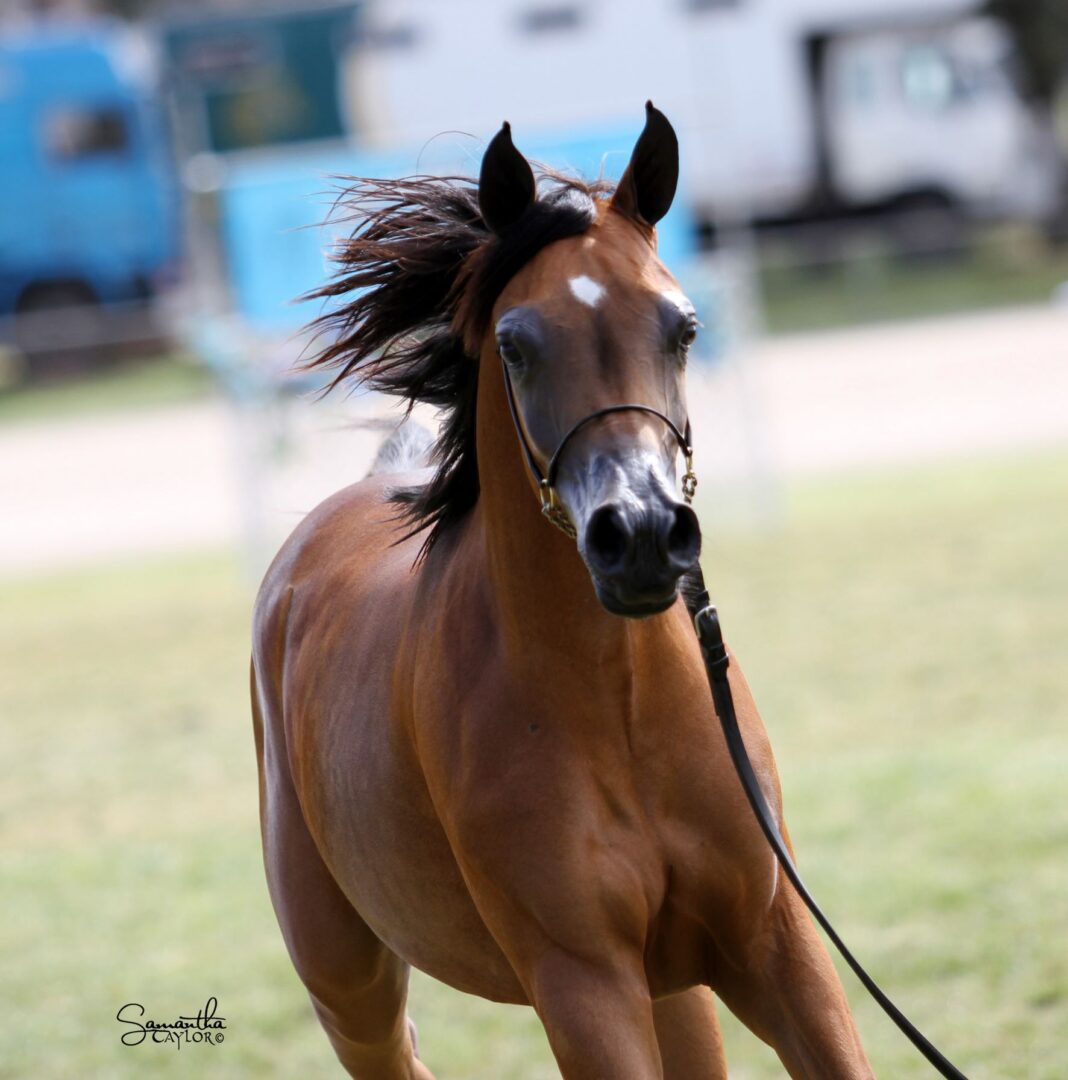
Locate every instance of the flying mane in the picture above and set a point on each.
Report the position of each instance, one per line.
(411, 299)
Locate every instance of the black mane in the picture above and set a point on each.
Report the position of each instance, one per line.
(417, 281)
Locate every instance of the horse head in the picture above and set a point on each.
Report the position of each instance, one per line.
(593, 335)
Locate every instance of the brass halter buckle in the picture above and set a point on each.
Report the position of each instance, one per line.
(554, 511)
(689, 478)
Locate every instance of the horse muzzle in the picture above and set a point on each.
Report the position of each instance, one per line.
(637, 552)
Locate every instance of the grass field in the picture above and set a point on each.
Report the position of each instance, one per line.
(905, 635)
(877, 289)
(171, 379)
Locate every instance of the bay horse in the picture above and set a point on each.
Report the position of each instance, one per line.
(485, 748)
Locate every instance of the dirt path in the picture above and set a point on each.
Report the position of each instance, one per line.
(922, 390)
(182, 478)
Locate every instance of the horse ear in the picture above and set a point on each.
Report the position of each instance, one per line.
(505, 183)
(647, 187)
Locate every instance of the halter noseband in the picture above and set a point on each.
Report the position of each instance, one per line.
(550, 505)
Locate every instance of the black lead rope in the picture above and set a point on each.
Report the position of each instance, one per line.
(714, 652)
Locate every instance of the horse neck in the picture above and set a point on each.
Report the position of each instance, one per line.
(540, 585)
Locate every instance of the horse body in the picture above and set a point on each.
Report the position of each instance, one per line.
(623, 785)
(469, 765)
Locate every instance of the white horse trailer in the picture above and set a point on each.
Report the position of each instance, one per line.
(786, 109)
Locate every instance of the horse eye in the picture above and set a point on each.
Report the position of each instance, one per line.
(509, 352)
(688, 335)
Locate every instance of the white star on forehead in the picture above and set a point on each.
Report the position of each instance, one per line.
(587, 290)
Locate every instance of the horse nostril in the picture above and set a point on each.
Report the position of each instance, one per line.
(684, 539)
(607, 540)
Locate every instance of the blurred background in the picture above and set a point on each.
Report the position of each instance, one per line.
(873, 223)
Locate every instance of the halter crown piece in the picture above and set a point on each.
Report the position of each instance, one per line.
(550, 504)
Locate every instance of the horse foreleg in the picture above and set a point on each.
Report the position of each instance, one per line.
(598, 1017)
(691, 1044)
(787, 992)
(358, 987)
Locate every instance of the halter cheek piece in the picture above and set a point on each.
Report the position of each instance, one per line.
(550, 504)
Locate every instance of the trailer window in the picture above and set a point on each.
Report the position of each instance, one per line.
(860, 82)
(74, 132)
(551, 20)
(389, 38)
(927, 78)
(699, 7)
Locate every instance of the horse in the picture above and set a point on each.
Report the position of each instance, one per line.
(486, 745)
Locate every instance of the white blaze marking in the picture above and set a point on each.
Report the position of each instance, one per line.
(587, 290)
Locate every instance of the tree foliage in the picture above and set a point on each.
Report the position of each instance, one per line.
(1040, 30)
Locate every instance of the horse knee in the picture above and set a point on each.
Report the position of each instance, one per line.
(365, 1003)
(372, 1042)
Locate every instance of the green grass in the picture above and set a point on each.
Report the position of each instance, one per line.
(131, 384)
(906, 640)
(904, 633)
(876, 289)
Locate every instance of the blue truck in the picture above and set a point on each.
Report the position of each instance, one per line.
(89, 199)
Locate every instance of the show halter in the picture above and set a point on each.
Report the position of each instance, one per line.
(550, 505)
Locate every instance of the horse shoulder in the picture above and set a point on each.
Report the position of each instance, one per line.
(348, 549)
